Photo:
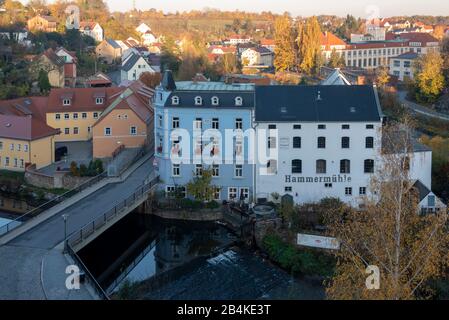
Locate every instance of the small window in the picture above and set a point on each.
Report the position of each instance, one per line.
(11, 147)
(368, 166)
(321, 126)
(84, 115)
(288, 189)
(215, 123)
(328, 185)
(176, 171)
(296, 126)
(321, 166)
(215, 170)
(238, 170)
(296, 142)
(345, 126)
(362, 191)
(75, 116)
(215, 101)
(175, 122)
(345, 166)
(238, 101)
(370, 126)
(66, 116)
(198, 124)
(95, 115)
(66, 102)
(345, 142)
(25, 148)
(348, 191)
(133, 130)
(175, 100)
(232, 193)
(66, 131)
(239, 123)
(75, 130)
(321, 142)
(198, 170)
(198, 101)
(57, 116)
(271, 126)
(271, 142)
(369, 142)
(107, 131)
(99, 101)
(296, 166)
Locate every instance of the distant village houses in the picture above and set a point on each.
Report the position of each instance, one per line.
(92, 29)
(42, 23)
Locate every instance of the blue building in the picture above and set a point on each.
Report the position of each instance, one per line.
(193, 121)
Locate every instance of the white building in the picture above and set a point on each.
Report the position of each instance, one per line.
(259, 56)
(143, 28)
(134, 66)
(402, 65)
(327, 143)
(92, 29)
(238, 39)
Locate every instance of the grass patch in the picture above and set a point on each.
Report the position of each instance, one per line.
(298, 261)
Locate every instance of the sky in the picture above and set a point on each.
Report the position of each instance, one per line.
(359, 8)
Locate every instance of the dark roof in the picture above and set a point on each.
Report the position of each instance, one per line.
(226, 99)
(317, 103)
(407, 55)
(423, 191)
(168, 83)
(113, 43)
(131, 61)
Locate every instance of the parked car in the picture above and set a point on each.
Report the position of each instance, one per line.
(60, 152)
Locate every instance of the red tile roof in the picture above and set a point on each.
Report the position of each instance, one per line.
(24, 119)
(82, 99)
(422, 37)
(329, 40)
(267, 42)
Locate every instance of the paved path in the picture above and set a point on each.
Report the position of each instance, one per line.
(30, 266)
(420, 108)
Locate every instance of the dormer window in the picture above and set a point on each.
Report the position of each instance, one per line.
(215, 101)
(66, 102)
(99, 100)
(238, 101)
(175, 100)
(198, 101)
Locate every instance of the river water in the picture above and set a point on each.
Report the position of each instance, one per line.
(195, 260)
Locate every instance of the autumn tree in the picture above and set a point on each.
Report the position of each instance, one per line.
(170, 55)
(408, 248)
(336, 60)
(284, 52)
(382, 77)
(151, 79)
(429, 77)
(201, 187)
(310, 46)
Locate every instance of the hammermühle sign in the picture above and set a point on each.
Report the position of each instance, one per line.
(336, 178)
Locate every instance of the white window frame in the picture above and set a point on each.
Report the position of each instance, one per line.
(239, 123)
(75, 116)
(175, 100)
(66, 116)
(76, 130)
(133, 130)
(233, 191)
(215, 170)
(84, 115)
(238, 101)
(198, 170)
(95, 115)
(57, 116)
(175, 170)
(106, 133)
(215, 101)
(238, 171)
(175, 122)
(66, 102)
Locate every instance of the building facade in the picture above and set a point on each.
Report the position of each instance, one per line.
(109, 51)
(42, 23)
(189, 119)
(134, 66)
(92, 29)
(402, 66)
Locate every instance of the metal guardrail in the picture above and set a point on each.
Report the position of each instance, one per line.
(89, 228)
(49, 204)
(88, 276)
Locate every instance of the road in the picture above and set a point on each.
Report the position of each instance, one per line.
(22, 258)
(421, 109)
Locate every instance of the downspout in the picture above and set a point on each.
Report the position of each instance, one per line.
(256, 151)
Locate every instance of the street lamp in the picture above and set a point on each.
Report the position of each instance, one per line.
(65, 217)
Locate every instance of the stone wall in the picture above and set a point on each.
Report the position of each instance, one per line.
(60, 179)
(263, 226)
(199, 215)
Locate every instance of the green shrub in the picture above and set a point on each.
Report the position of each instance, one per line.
(296, 261)
(212, 205)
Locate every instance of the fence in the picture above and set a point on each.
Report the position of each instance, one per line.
(90, 228)
(37, 211)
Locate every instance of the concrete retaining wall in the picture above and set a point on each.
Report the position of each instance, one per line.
(60, 179)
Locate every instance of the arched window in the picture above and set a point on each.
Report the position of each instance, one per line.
(321, 166)
(238, 101)
(214, 101)
(321, 142)
(296, 166)
(345, 166)
(198, 101)
(368, 166)
(296, 142)
(345, 142)
(175, 100)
